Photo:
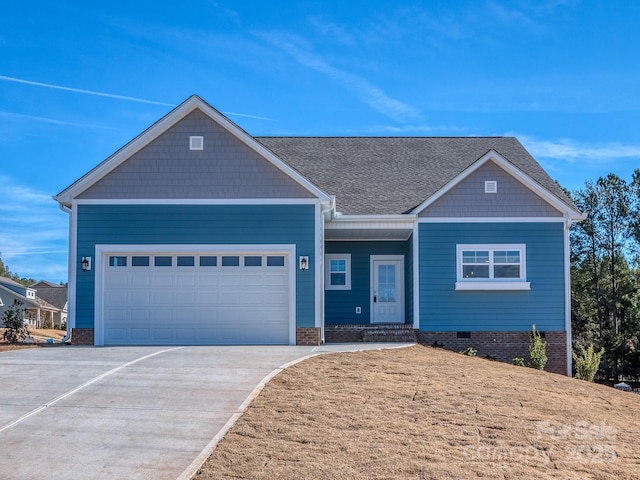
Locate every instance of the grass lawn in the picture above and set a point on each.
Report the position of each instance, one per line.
(424, 413)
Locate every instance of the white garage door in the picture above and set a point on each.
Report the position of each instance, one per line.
(212, 298)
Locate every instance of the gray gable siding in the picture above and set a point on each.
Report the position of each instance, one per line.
(166, 168)
(467, 198)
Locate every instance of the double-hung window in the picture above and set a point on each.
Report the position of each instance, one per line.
(337, 271)
(492, 267)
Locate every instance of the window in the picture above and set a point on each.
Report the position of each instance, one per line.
(230, 261)
(208, 261)
(337, 272)
(115, 261)
(162, 261)
(252, 261)
(186, 261)
(141, 261)
(491, 267)
(275, 261)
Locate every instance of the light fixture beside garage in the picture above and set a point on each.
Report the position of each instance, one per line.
(304, 262)
(86, 264)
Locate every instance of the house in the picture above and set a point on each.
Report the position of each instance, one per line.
(55, 295)
(37, 311)
(196, 232)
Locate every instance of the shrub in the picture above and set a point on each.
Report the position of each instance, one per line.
(469, 351)
(587, 363)
(14, 328)
(519, 361)
(437, 344)
(537, 350)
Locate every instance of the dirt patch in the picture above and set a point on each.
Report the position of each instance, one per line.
(424, 413)
(39, 336)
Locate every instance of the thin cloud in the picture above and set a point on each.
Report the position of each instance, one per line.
(34, 234)
(20, 116)
(86, 92)
(372, 95)
(571, 151)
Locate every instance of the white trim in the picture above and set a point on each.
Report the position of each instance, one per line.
(492, 285)
(161, 126)
(196, 201)
(491, 186)
(73, 269)
(515, 172)
(101, 261)
(318, 247)
(491, 219)
(327, 271)
(416, 276)
(399, 283)
(567, 295)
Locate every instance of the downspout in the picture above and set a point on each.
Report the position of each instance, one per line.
(67, 336)
(330, 209)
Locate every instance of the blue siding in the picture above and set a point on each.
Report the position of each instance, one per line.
(197, 224)
(340, 305)
(444, 309)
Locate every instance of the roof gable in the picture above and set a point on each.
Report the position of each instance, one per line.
(522, 197)
(159, 164)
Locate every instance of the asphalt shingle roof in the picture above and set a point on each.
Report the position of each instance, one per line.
(392, 175)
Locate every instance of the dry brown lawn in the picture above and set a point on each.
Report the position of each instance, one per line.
(39, 332)
(424, 413)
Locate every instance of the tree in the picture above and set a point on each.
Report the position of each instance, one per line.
(14, 328)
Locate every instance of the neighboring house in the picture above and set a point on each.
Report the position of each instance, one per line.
(37, 311)
(198, 233)
(55, 295)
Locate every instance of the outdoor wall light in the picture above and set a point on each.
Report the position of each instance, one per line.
(304, 263)
(86, 264)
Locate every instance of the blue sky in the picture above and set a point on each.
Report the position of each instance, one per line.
(78, 80)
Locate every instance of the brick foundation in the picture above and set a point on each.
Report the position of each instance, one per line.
(503, 346)
(308, 336)
(82, 336)
(343, 333)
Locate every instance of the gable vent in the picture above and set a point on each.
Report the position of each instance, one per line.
(196, 142)
(491, 186)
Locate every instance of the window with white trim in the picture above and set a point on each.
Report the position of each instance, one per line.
(491, 267)
(337, 271)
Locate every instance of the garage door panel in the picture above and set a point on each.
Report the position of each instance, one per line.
(245, 303)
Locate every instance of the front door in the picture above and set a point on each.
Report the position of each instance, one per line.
(387, 289)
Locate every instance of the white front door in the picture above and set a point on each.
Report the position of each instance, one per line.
(387, 288)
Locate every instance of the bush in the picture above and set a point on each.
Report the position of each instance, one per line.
(13, 321)
(437, 344)
(587, 363)
(519, 361)
(537, 350)
(469, 351)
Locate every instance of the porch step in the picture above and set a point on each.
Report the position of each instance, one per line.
(399, 333)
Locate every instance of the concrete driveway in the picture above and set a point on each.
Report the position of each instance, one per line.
(126, 412)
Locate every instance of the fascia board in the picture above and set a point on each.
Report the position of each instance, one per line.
(192, 103)
(518, 174)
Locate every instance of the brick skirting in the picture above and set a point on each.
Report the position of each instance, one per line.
(503, 346)
(308, 336)
(82, 336)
